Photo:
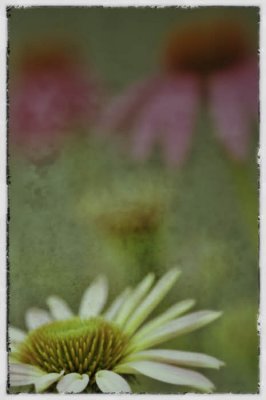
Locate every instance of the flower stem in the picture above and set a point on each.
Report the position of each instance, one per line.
(246, 189)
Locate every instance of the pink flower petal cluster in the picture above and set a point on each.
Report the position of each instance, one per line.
(52, 94)
(163, 109)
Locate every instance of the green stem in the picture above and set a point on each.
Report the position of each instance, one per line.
(246, 188)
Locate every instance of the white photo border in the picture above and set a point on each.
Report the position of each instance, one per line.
(4, 192)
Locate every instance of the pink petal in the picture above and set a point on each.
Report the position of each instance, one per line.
(145, 130)
(48, 103)
(249, 84)
(145, 133)
(120, 113)
(169, 116)
(45, 106)
(182, 103)
(233, 102)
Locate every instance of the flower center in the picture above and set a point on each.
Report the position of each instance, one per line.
(138, 219)
(55, 58)
(76, 345)
(206, 47)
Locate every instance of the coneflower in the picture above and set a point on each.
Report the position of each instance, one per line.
(98, 350)
(210, 61)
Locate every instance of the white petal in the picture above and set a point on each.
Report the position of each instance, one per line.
(13, 347)
(152, 300)
(168, 373)
(36, 317)
(59, 308)
(47, 380)
(94, 298)
(177, 358)
(21, 380)
(172, 312)
(178, 327)
(72, 383)
(16, 335)
(23, 374)
(116, 305)
(110, 382)
(25, 369)
(134, 299)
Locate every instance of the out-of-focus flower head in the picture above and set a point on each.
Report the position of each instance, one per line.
(130, 215)
(53, 93)
(127, 206)
(211, 60)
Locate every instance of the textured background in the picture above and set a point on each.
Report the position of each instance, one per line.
(208, 229)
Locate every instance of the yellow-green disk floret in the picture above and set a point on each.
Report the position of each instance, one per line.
(78, 345)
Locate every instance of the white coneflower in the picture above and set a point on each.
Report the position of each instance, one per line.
(97, 351)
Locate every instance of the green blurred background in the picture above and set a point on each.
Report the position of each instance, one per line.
(205, 213)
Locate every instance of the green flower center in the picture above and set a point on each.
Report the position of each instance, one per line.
(76, 345)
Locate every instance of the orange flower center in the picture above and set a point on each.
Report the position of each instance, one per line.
(51, 57)
(206, 47)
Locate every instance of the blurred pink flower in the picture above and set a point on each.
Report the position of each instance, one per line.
(52, 94)
(211, 62)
